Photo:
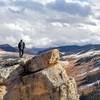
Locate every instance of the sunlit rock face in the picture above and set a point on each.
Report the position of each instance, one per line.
(2, 92)
(42, 61)
(48, 84)
(42, 77)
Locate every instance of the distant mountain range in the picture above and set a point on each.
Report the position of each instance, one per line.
(75, 48)
(65, 49)
(8, 48)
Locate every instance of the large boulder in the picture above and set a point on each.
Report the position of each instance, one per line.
(49, 84)
(42, 61)
(46, 80)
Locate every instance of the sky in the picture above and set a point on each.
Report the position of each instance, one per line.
(48, 23)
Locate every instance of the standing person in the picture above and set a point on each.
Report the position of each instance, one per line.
(21, 47)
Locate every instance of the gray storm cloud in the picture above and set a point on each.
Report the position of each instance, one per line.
(49, 23)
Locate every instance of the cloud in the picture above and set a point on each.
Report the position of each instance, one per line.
(19, 25)
(16, 9)
(45, 41)
(26, 38)
(28, 4)
(13, 26)
(44, 2)
(74, 8)
(46, 23)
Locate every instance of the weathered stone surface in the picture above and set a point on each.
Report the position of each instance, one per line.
(49, 84)
(42, 61)
(46, 80)
(9, 73)
(2, 92)
(10, 69)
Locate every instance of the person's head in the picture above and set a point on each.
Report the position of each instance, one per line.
(21, 40)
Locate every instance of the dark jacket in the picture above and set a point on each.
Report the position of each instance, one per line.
(21, 45)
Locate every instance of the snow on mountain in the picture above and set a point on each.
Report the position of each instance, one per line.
(85, 68)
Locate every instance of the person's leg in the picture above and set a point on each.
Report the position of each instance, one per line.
(22, 52)
(19, 53)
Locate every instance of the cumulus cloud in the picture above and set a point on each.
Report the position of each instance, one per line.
(74, 8)
(46, 23)
(44, 2)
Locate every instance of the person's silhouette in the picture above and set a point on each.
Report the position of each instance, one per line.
(21, 46)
